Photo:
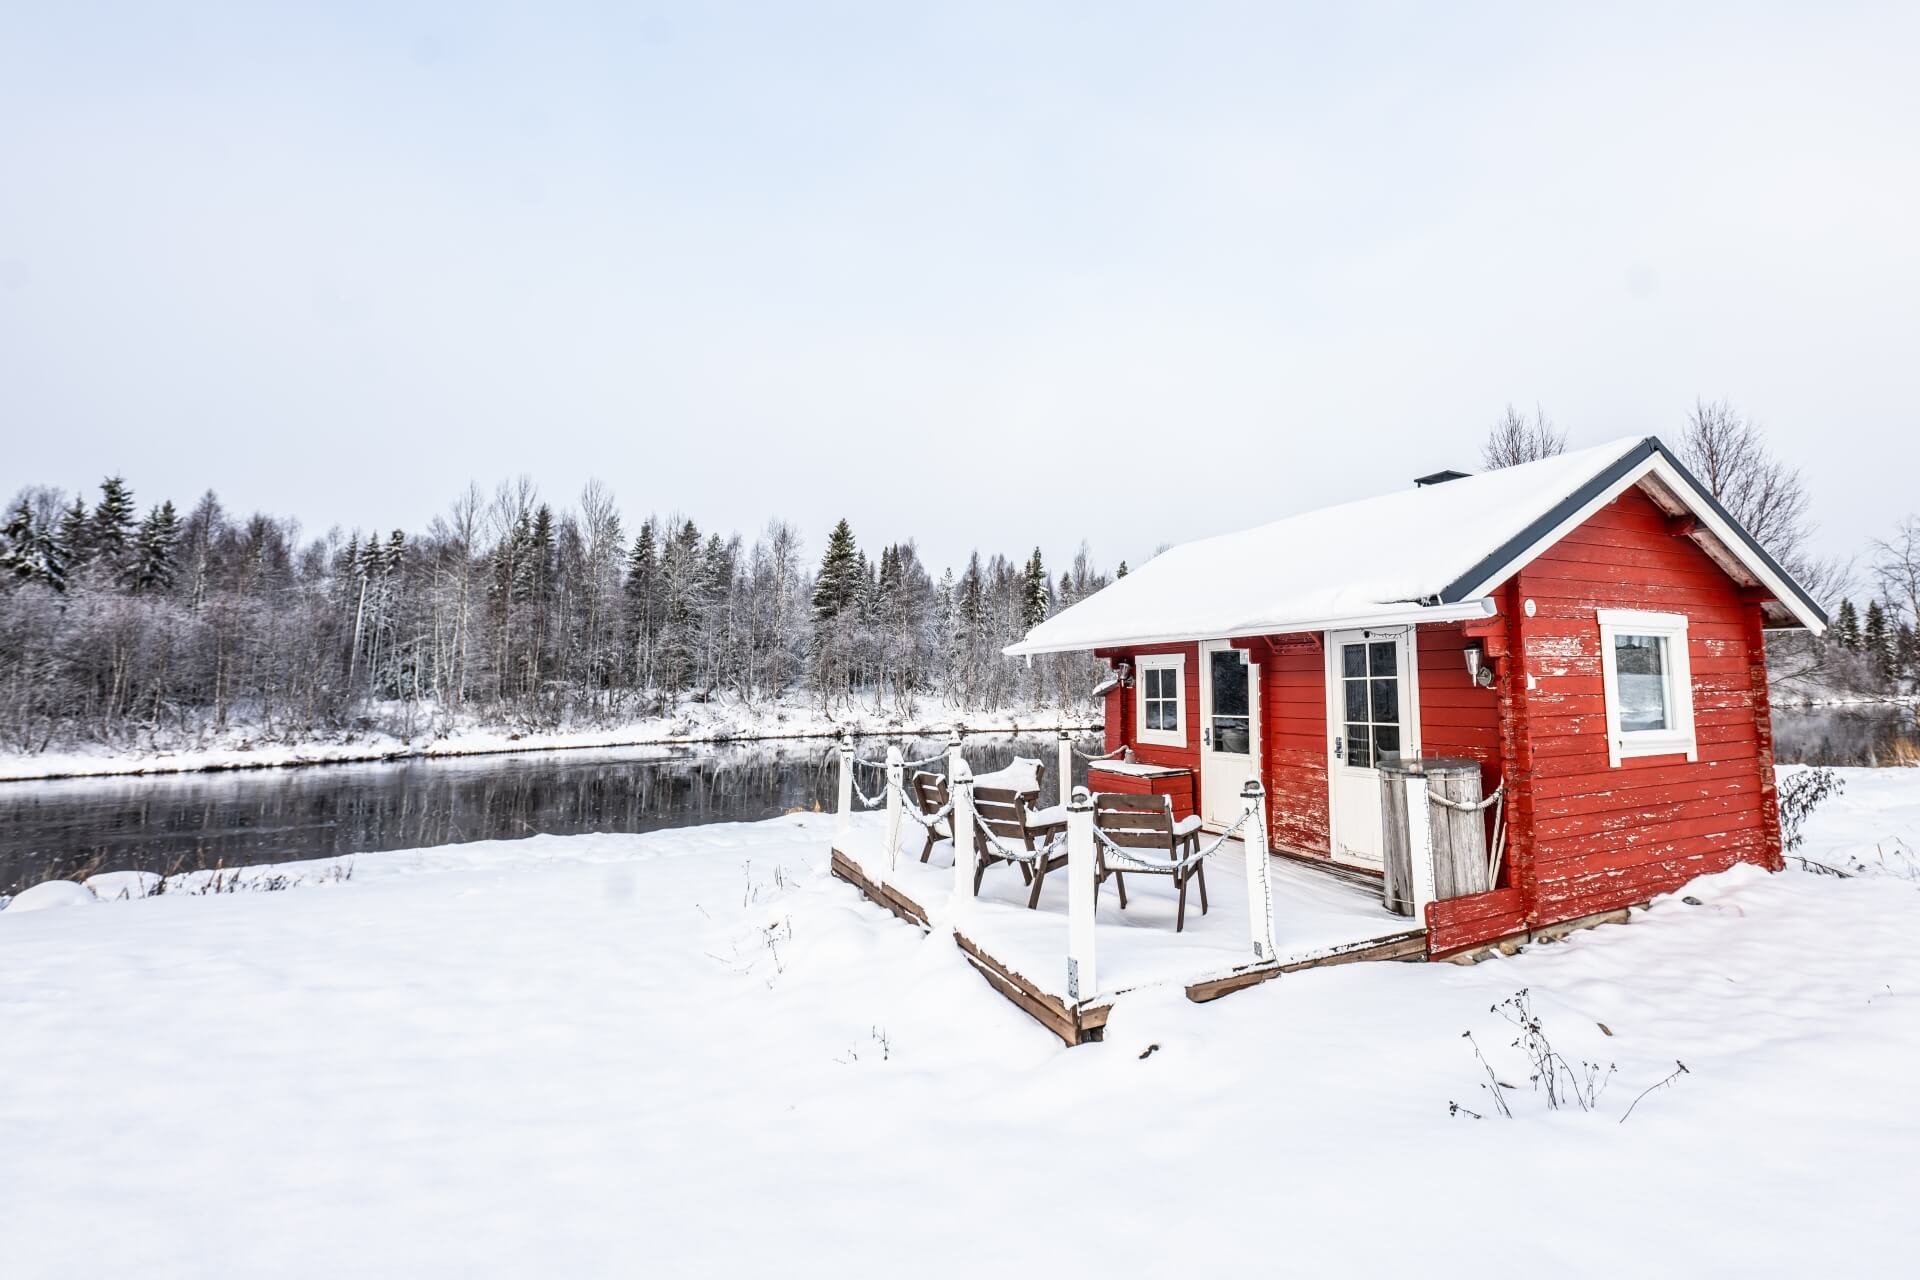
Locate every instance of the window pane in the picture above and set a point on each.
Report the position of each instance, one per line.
(1386, 740)
(1160, 716)
(1386, 701)
(1353, 659)
(1359, 752)
(1641, 664)
(1232, 734)
(1383, 663)
(1356, 699)
(1229, 685)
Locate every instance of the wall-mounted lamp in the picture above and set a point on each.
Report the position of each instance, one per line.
(1119, 677)
(1477, 669)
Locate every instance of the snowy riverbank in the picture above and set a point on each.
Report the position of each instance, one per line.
(691, 1052)
(720, 721)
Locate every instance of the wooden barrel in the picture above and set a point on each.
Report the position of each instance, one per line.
(1459, 838)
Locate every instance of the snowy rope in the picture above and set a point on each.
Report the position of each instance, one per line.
(1053, 846)
(1120, 750)
(867, 801)
(927, 820)
(1179, 865)
(904, 764)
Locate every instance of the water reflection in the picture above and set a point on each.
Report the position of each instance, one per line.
(186, 821)
(1866, 735)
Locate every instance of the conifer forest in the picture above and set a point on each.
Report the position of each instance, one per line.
(124, 625)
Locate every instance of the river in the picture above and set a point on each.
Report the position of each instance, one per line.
(177, 822)
(174, 822)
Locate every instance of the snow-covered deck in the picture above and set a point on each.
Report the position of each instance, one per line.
(1319, 918)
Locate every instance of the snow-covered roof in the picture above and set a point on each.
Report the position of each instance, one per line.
(1422, 554)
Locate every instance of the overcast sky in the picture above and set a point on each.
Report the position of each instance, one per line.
(978, 274)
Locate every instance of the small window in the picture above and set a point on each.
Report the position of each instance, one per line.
(1648, 684)
(1161, 685)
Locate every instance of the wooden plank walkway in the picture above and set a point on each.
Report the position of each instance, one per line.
(1087, 1022)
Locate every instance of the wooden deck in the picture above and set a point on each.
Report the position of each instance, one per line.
(1013, 949)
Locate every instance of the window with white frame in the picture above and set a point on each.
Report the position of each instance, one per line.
(1648, 684)
(1161, 690)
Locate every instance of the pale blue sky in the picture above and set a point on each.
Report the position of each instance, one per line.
(977, 273)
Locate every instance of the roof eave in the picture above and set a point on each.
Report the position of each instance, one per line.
(1649, 456)
(1445, 611)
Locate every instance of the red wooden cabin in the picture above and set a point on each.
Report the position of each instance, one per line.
(1588, 627)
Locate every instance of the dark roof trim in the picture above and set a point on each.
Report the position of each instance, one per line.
(1530, 537)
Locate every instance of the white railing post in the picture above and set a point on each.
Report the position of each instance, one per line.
(1419, 844)
(843, 802)
(1253, 837)
(1066, 766)
(965, 856)
(896, 783)
(1083, 888)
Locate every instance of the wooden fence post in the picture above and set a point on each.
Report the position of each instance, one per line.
(896, 779)
(960, 795)
(843, 803)
(1083, 888)
(1253, 838)
(1066, 766)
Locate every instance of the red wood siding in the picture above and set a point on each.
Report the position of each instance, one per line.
(1457, 923)
(1457, 717)
(1587, 836)
(1293, 742)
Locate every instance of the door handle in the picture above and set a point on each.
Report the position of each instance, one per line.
(1339, 748)
(1206, 736)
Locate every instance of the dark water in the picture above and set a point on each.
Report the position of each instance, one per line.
(60, 829)
(1868, 735)
(189, 821)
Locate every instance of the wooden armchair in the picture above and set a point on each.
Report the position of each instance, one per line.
(1004, 812)
(1144, 825)
(928, 791)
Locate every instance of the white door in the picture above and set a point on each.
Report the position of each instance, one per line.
(1369, 698)
(1229, 730)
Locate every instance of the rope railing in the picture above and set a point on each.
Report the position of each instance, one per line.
(1133, 862)
(904, 764)
(867, 801)
(1029, 856)
(927, 820)
(1468, 806)
(1122, 750)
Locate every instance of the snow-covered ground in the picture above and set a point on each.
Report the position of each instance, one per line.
(693, 1053)
(723, 720)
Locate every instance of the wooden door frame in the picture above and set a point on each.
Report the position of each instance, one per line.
(1337, 713)
(1204, 712)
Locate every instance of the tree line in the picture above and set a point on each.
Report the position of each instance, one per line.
(126, 628)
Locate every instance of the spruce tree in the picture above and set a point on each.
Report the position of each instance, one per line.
(72, 540)
(1846, 627)
(1906, 653)
(17, 546)
(1034, 597)
(154, 550)
(1876, 639)
(642, 593)
(110, 531)
(839, 581)
(1121, 572)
